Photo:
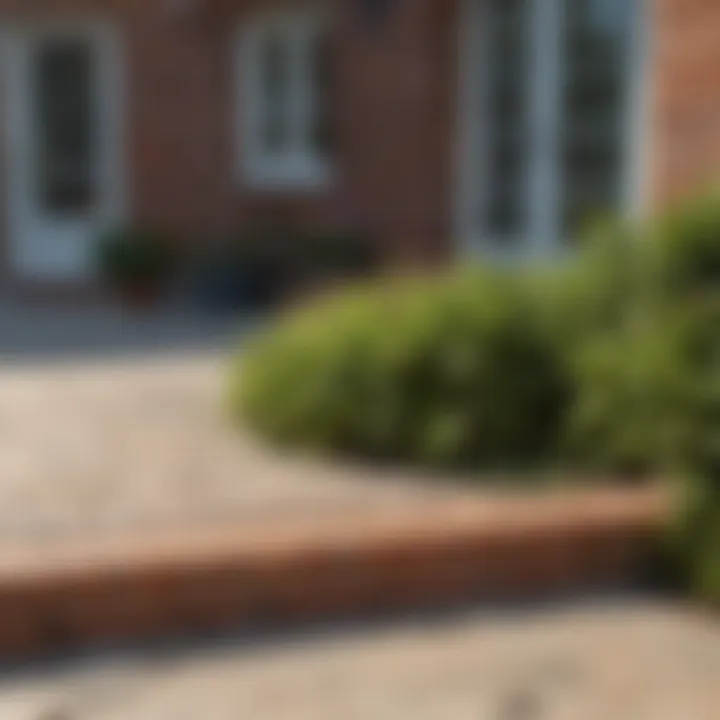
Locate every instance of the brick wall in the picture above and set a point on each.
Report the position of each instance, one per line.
(286, 570)
(394, 118)
(399, 113)
(686, 111)
(396, 100)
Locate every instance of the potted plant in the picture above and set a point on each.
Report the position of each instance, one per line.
(325, 257)
(342, 254)
(237, 275)
(136, 263)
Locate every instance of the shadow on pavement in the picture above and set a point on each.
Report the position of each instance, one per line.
(40, 333)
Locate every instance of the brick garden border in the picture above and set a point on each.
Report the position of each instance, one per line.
(162, 584)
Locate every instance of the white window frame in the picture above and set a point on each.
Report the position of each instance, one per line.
(302, 167)
(544, 80)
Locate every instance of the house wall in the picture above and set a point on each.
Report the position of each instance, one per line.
(395, 108)
(686, 108)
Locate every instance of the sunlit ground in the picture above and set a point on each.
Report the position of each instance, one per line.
(613, 660)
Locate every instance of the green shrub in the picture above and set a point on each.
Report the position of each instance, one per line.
(134, 256)
(601, 288)
(637, 324)
(647, 400)
(631, 402)
(333, 254)
(453, 371)
(684, 258)
(610, 361)
(624, 274)
(238, 273)
(697, 535)
(647, 389)
(691, 551)
(305, 255)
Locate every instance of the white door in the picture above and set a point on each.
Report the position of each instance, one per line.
(550, 99)
(62, 146)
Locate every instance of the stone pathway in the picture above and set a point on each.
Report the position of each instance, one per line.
(626, 660)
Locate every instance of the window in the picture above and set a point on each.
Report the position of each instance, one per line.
(62, 71)
(552, 92)
(508, 109)
(596, 45)
(285, 123)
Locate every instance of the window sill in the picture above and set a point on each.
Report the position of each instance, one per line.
(309, 176)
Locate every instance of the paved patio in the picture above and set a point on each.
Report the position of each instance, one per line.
(620, 660)
(113, 446)
(111, 428)
(111, 424)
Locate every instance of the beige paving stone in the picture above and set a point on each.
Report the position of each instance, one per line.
(95, 447)
(620, 660)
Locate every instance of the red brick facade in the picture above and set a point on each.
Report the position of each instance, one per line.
(686, 111)
(396, 107)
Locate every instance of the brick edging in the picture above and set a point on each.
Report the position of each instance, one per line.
(151, 586)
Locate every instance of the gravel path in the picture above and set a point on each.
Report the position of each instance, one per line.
(107, 446)
(628, 660)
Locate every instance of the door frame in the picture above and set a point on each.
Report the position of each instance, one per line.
(471, 125)
(15, 38)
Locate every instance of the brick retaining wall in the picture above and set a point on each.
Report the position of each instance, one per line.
(279, 572)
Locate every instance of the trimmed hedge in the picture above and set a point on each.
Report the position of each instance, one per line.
(610, 362)
(648, 388)
(631, 404)
(637, 314)
(596, 362)
(684, 257)
(690, 553)
(452, 371)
